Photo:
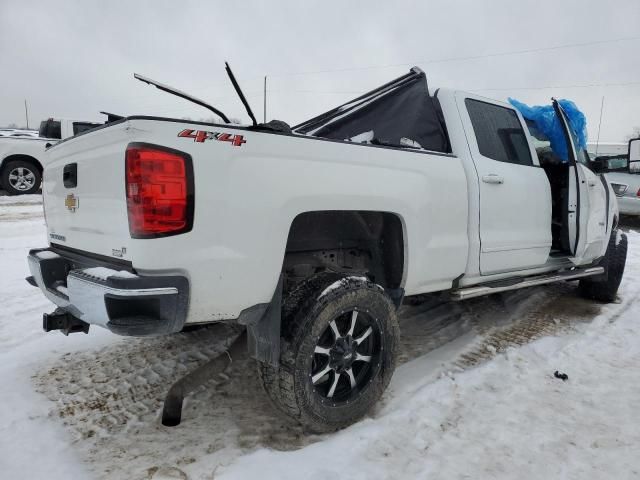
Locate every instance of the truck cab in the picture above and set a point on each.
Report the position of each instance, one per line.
(59, 129)
(534, 211)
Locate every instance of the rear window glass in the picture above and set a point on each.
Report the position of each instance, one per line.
(50, 129)
(499, 133)
(79, 127)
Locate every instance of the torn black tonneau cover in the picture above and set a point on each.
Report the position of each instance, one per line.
(400, 113)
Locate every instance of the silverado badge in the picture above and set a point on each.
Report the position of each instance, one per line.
(71, 202)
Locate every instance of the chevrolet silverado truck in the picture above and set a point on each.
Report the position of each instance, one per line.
(21, 155)
(311, 236)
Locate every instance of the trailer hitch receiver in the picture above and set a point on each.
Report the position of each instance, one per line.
(63, 321)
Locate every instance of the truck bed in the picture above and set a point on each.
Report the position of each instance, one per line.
(249, 186)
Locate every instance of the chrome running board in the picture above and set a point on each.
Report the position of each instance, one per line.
(506, 285)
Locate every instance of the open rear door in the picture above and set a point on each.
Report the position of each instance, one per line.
(586, 228)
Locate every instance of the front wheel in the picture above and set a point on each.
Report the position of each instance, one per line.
(338, 353)
(20, 177)
(605, 288)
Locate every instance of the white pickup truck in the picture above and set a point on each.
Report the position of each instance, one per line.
(623, 173)
(21, 156)
(311, 236)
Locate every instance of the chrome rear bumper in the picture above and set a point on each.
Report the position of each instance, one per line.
(120, 300)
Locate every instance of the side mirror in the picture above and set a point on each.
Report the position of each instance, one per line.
(597, 165)
(634, 155)
(606, 164)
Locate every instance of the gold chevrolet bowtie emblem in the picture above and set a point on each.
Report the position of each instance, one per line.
(71, 202)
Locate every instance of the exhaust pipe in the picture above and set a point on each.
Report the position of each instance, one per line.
(172, 410)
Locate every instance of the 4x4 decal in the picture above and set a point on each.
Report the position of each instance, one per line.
(201, 135)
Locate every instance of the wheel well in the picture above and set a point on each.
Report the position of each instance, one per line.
(356, 242)
(24, 158)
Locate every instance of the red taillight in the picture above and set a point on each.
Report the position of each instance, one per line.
(638, 194)
(159, 191)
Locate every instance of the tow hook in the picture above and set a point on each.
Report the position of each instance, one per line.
(63, 321)
(172, 411)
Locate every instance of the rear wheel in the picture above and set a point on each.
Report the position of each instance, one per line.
(338, 352)
(20, 177)
(605, 288)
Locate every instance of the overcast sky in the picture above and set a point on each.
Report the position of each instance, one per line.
(73, 59)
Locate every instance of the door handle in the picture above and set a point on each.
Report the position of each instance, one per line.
(493, 178)
(592, 183)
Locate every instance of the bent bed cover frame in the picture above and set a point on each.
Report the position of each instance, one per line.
(400, 109)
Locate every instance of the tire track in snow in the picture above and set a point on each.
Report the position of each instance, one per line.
(111, 399)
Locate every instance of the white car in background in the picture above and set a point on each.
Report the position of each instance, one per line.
(21, 152)
(17, 132)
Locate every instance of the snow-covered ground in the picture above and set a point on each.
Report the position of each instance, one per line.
(475, 396)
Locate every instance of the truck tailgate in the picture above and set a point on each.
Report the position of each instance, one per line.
(84, 192)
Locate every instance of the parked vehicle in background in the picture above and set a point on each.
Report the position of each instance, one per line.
(624, 175)
(17, 132)
(610, 149)
(21, 152)
(310, 236)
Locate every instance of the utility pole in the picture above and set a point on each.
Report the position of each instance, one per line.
(264, 115)
(26, 112)
(599, 125)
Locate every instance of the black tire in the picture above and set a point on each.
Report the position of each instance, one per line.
(20, 177)
(308, 313)
(604, 288)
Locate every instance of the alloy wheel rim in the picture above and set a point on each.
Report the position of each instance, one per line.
(346, 357)
(21, 178)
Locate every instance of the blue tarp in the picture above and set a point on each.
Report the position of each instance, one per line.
(545, 119)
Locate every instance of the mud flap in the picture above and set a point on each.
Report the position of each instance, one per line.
(396, 295)
(263, 329)
(264, 323)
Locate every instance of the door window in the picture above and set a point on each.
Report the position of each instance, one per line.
(499, 133)
(583, 156)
